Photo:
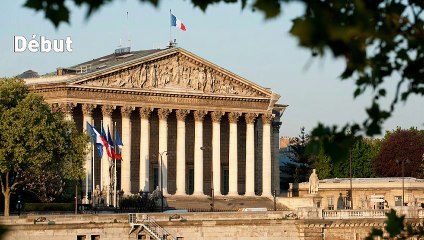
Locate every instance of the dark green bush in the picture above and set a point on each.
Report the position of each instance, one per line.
(49, 207)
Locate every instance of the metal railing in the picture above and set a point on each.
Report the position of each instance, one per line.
(150, 225)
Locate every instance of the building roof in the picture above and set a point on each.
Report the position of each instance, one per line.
(28, 74)
(114, 59)
(90, 66)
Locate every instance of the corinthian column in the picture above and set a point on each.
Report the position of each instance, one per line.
(163, 146)
(87, 111)
(216, 152)
(250, 154)
(126, 151)
(144, 148)
(105, 161)
(181, 157)
(198, 152)
(233, 158)
(266, 155)
(67, 109)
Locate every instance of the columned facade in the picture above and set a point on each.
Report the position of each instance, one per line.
(188, 126)
(87, 111)
(181, 156)
(106, 160)
(144, 149)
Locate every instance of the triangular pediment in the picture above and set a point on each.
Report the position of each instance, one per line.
(174, 70)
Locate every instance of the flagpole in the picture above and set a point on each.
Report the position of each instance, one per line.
(93, 187)
(114, 146)
(170, 27)
(101, 163)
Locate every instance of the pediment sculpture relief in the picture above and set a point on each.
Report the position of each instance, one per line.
(173, 74)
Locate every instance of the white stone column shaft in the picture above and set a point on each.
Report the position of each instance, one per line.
(126, 150)
(216, 152)
(181, 156)
(233, 155)
(106, 161)
(198, 152)
(250, 154)
(266, 155)
(163, 146)
(144, 148)
(87, 110)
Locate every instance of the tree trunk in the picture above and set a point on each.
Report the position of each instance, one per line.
(6, 195)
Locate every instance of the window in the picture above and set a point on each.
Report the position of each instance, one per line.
(330, 203)
(95, 237)
(398, 201)
(81, 237)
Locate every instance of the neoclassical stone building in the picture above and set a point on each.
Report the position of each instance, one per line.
(219, 130)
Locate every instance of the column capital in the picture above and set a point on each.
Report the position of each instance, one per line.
(233, 117)
(145, 112)
(107, 110)
(55, 107)
(216, 116)
(163, 113)
(199, 115)
(181, 114)
(126, 111)
(267, 118)
(250, 117)
(66, 107)
(87, 108)
(276, 126)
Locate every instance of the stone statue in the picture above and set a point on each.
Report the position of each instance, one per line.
(97, 195)
(156, 196)
(313, 182)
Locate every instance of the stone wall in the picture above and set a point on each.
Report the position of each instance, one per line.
(235, 225)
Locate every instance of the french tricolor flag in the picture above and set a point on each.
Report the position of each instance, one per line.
(175, 22)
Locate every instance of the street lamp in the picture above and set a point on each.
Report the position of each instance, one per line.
(403, 161)
(212, 190)
(348, 132)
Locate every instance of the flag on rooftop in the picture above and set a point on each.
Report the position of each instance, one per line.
(175, 22)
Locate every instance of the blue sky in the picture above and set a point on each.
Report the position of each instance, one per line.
(240, 41)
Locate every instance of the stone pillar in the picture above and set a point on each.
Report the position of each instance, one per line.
(163, 147)
(276, 156)
(250, 154)
(266, 153)
(181, 157)
(144, 148)
(106, 161)
(198, 152)
(67, 109)
(233, 158)
(216, 151)
(87, 186)
(126, 150)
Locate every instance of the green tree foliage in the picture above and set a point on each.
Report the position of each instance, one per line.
(323, 165)
(401, 145)
(296, 169)
(362, 155)
(397, 229)
(36, 145)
